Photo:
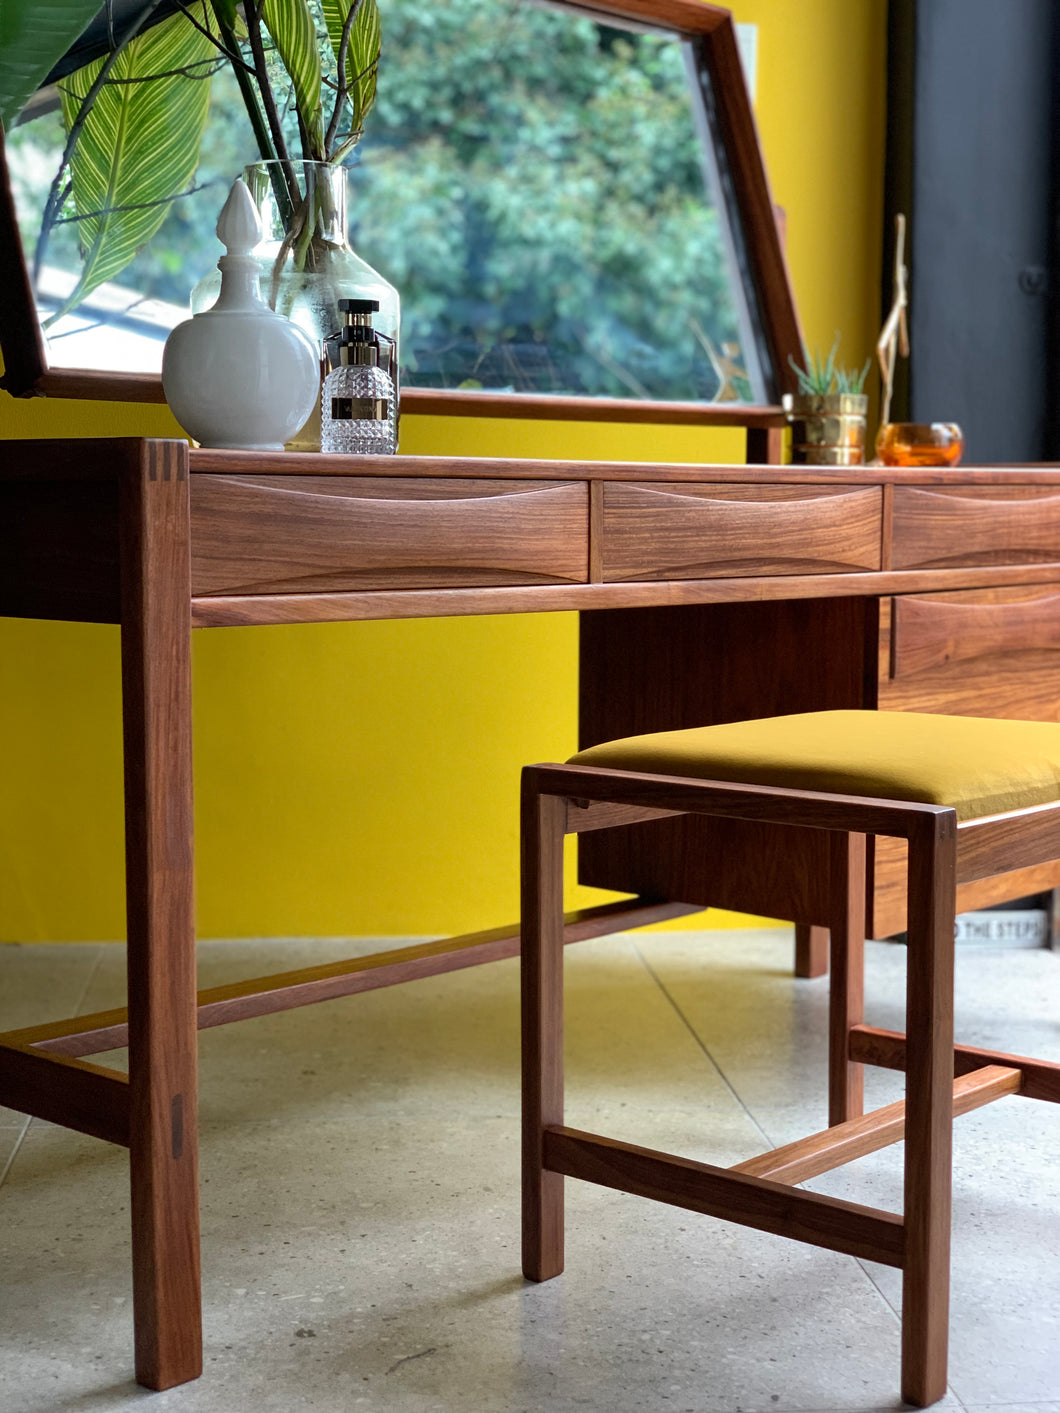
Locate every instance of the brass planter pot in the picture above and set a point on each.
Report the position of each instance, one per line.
(827, 430)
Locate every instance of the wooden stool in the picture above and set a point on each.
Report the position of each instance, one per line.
(972, 798)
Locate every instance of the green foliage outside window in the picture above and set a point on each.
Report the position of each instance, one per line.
(533, 185)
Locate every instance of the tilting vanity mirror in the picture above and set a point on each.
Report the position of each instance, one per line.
(570, 199)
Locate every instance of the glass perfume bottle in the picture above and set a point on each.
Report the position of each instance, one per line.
(357, 401)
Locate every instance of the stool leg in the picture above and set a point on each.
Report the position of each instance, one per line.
(929, 1112)
(846, 1005)
(544, 826)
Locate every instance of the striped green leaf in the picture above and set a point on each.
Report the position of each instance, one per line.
(33, 38)
(362, 53)
(139, 146)
(290, 22)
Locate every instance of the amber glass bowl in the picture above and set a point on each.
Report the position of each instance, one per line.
(920, 444)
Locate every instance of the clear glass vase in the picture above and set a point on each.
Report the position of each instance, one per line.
(307, 262)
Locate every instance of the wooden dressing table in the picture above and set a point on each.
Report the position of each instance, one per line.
(708, 593)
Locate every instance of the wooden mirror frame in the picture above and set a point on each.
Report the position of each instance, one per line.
(724, 114)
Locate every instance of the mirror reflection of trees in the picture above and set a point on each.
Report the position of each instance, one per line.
(533, 184)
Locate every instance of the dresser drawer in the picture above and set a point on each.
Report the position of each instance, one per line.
(946, 527)
(977, 652)
(661, 531)
(314, 534)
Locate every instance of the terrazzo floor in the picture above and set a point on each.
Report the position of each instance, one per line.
(359, 1174)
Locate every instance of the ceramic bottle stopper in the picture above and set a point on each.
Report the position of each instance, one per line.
(239, 375)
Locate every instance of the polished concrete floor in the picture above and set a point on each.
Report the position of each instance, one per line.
(360, 1203)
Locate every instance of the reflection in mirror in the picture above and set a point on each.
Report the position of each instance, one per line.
(533, 183)
(536, 181)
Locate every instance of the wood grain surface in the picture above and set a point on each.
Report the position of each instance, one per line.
(543, 819)
(689, 16)
(1000, 843)
(919, 671)
(720, 1192)
(669, 668)
(284, 991)
(259, 536)
(888, 911)
(887, 1049)
(291, 463)
(834, 1147)
(846, 994)
(236, 610)
(658, 531)
(933, 630)
(923, 668)
(811, 949)
(951, 525)
(928, 1107)
(89, 1098)
(744, 187)
(156, 712)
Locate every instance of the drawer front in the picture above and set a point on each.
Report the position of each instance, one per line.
(652, 531)
(946, 527)
(888, 914)
(315, 534)
(978, 652)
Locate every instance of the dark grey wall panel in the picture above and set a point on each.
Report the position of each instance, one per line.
(979, 182)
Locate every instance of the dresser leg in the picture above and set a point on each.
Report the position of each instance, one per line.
(156, 709)
(811, 950)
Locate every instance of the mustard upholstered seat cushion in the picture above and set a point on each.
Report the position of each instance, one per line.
(978, 766)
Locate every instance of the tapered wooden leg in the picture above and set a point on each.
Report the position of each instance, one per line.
(929, 1111)
(846, 1079)
(811, 950)
(543, 827)
(156, 707)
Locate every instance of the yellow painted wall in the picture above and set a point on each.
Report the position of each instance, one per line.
(362, 778)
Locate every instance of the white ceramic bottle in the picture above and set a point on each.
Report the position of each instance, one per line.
(239, 375)
(357, 411)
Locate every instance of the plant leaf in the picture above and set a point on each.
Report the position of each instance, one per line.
(290, 22)
(139, 145)
(33, 37)
(362, 52)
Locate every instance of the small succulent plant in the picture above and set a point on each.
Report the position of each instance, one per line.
(820, 377)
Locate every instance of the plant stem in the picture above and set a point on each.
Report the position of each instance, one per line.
(230, 51)
(277, 174)
(268, 100)
(342, 87)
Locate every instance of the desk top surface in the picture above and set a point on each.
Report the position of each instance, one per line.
(98, 456)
